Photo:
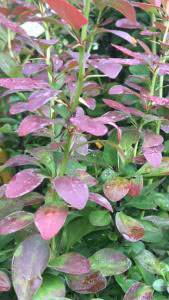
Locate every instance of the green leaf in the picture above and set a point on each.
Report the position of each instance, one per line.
(152, 233)
(9, 66)
(124, 282)
(99, 217)
(51, 288)
(140, 70)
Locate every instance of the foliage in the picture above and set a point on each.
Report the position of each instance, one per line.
(84, 204)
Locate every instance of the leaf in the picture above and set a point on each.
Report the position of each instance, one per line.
(19, 160)
(150, 171)
(127, 24)
(5, 284)
(71, 263)
(49, 220)
(30, 68)
(124, 35)
(7, 23)
(18, 108)
(139, 291)
(23, 182)
(99, 217)
(106, 66)
(68, 12)
(152, 140)
(99, 199)
(29, 261)
(85, 177)
(109, 262)
(130, 228)
(152, 233)
(15, 221)
(31, 124)
(153, 155)
(51, 288)
(90, 283)
(123, 108)
(72, 190)
(22, 84)
(158, 221)
(39, 98)
(148, 261)
(116, 189)
(9, 66)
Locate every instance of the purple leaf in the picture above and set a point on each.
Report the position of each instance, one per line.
(57, 63)
(4, 21)
(5, 284)
(99, 199)
(26, 268)
(153, 155)
(81, 145)
(39, 98)
(90, 283)
(30, 68)
(116, 189)
(106, 66)
(139, 291)
(123, 108)
(130, 228)
(89, 102)
(18, 108)
(152, 140)
(19, 160)
(120, 89)
(32, 124)
(15, 221)
(22, 84)
(127, 24)
(126, 61)
(72, 190)
(109, 262)
(23, 182)
(85, 177)
(124, 35)
(49, 220)
(71, 263)
(112, 117)
(90, 125)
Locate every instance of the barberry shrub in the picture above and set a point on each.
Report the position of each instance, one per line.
(84, 204)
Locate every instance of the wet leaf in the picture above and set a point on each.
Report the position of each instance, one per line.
(32, 124)
(149, 262)
(90, 283)
(109, 262)
(51, 288)
(71, 263)
(139, 291)
(49, 220)
(72, 190)
(22, 84)
(40, 98)
(5, 284)
(23, 182)
(19, 160)
(116, 189)
(29, 261)
(68, 12)
(130, 228)
(15, 221)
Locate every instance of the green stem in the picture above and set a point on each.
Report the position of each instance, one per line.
(82, 59)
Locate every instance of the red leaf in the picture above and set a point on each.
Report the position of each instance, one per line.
(5, 284)
(72, 190)
(71, 263)
(22, 83)
(68, 12)
(32, 124)
(124, 7)
(15, 221)
(49, 220)
(106, 66)
(22, 183)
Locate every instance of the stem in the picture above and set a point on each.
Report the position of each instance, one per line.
(9, 44)
(82, 60)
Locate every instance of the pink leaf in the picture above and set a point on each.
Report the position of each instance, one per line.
(99, 199)
(71, 263)
(116, 189)
(22, 183)
(18, 108)
(72, 190)
(144, 6)
(4, 21)
(22, 83)
(15, 221)
(153, 155)
(19, 160)
(163, 69)
(32, 124)
(106, 66)
(5, 284)
(124, 35)
(90, 125)
(39, 98)
(68, 12)
(85, 177)
(112, 117)
(30, 68)
(120, 89)
(49, 220)
(123, 108)
(152, 140)
(127, 24)
(81, 145)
